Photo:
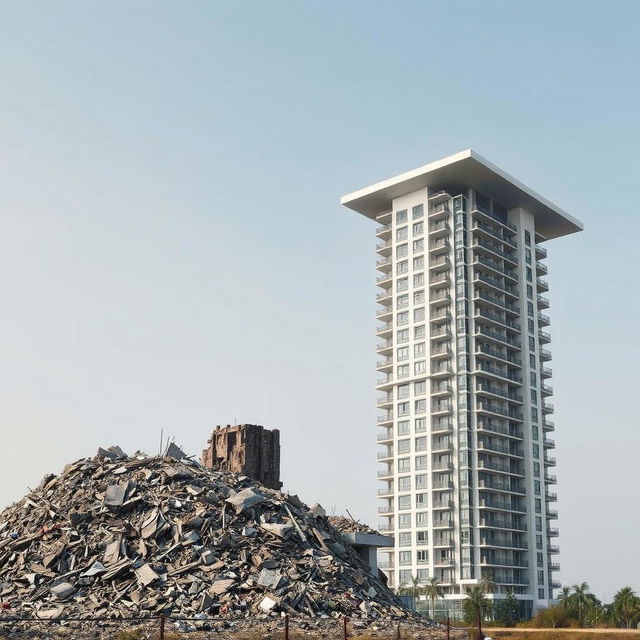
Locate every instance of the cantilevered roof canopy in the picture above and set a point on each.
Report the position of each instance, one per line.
(464, 170)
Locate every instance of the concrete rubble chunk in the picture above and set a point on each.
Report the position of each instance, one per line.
(118, 537)
(244, 499)
(174, 451)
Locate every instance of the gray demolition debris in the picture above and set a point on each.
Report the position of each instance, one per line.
(119, 537)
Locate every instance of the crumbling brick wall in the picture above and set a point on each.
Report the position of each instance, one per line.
(249, 449)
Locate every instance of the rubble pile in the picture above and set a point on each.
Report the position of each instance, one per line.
(348, 525)
(121, 537)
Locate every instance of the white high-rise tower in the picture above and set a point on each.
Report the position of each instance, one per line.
(467, 483)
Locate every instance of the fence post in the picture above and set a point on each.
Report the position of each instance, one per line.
(344, 628)
(162, 626)
(448, 628)
(286, 626)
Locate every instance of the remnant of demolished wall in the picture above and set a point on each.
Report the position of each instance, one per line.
(249, 449)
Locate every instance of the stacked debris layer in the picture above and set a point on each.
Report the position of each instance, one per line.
(348, 525)
(120, 537)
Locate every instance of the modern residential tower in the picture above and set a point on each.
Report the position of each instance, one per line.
(467, 482)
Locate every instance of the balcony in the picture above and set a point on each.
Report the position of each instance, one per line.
(441, 389)
(439, 246)
(542, 285)
(547, 407)
(494, 251)
(547, 425)
(543, 303)
(503, 356)
(541, 269)
(444, 485)
(384, 313)
(439, 197)
(443, 524)
(384, 248)
(385, 365)
(496, 268)
(501, 467)
(544, 336)
(498, 303)
(440, 352)
(547, 390)
(552, 533)
(493, 233)
(553, 549)
(384, 264)
(495, 318)
(541, 252)
(500, 449)
(441, 333)
(439, 229)
(441, 262)
(384, 296)
(548, 443)
(442, 504)
(550, 479)
(443, 278)
(554, 566)
(385, 473)
(545, 355)
(383, 348)
(498, 372)
(545, 372)
(550, 461)
(496, 485)
(491, 390)
(385, 382)
(440, 298)
(508, 432)
(385, 418)
(384, 232)
(384, 401)
(480, 278)
(386, 510)
(441, 371)
(552, 514)
(385, 436)
(441, 427)
(498, 336)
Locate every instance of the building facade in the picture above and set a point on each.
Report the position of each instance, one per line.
(468, 489)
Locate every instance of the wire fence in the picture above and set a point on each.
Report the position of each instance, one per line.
(166, 627)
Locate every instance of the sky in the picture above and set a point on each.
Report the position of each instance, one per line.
(173, 254)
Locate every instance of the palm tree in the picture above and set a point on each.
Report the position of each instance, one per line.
(487, 584)
(413, 588)
(626, 606)
(565, 598)
(476, 605)
(433, 590)
(582, 598)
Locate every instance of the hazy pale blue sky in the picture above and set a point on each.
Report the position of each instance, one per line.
(173, 254)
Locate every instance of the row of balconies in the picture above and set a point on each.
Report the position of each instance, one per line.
(493, 232)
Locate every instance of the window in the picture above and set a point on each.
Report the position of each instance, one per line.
(539, 559)
(418, 350)
(422, 519)
(527, 255)
(530, 308)
(419, 367)
(403, 427)
(404, 484)
(541, 594)
(418, 263)
(404, 539)
(421, 444)
(403, 353)
(540, 577)
(404, 520)
(405, 577)
(404, 446)
(402, 301)
(538, 523)
(422, 537)
(401, 216)
(534, 396)
(403, 284)
(532, 326)
(538, 542)
(421, 462)
(529, 275)
(529, 291)
(536, 469)
(404, 557)
(403, 408)
(418, 228)
(421, 425)
(538, 505)
(532, 343)
(420, 387)
(420, 406)
(534, 414)
(402, 318)
(536, 452)
(532, 378)
(402, 336)
(403, 391)
(527, 237)
(404, 502)
(417, 211)
(418, 332)
(404, 464)
(536, 487)
(402, 250)
(401, 234)
(402, 267)
(418, 279)
(418, 297)
(423, 575)
(535, 432)
(418, 314)
(421, 500)
(421, 481)
(422, 556)
(418, 246)
(532, 361)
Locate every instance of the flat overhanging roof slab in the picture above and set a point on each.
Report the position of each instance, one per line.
(463, 170)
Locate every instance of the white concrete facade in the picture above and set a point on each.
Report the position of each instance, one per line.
(467, 487)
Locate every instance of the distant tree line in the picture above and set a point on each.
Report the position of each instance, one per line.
(577, 606)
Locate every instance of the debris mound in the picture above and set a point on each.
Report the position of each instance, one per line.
(119, 537)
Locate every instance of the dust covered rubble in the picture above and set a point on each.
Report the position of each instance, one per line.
(121, 537)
